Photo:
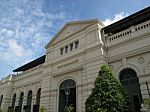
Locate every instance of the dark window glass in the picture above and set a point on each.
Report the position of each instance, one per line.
(66, 49)
(1, 100)
(130, 81)
(13, 101)
(21, 100)
(128, 76)
(61, 51)
(38, 96)
(76, 44)
(67, 94)
(29, 100)
(68, 83)
(71, 46)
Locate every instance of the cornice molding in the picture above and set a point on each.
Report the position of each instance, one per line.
(129, 54)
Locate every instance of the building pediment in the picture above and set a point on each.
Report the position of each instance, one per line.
(69, 29)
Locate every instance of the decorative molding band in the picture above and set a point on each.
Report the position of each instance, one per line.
(28, 75)
(26, 85)
(68, 71)
(144, 75)
(129, 53)
(143, 83)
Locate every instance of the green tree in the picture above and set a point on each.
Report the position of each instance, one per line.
(108, 95)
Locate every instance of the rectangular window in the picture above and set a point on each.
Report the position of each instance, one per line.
(61, 51)
(76, 44)
(71, 46)
(66, 49)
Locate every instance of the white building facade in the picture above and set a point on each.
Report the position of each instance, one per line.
(66, 73)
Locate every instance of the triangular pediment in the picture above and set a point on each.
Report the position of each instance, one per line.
(69, 29)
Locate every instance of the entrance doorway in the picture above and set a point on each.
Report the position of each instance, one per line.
(130, 81)
(67, 94)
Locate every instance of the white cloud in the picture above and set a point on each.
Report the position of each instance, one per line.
(15, 48)
(49, 24)
(117, 17)
(25, 28)
(4, 30)
(38, 13)
(19, 12)
(60, 15)
(9, 33)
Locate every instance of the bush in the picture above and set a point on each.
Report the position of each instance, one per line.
(42, 109)
(147, 101)
(69, 108)
(0, 110)
(108, 94)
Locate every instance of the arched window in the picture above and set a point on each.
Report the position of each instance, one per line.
(130, 82)
(128, 76)
(37, 105)
(29, 101)
(13, 102)
(21, 101)
(1, 100)
(67, 94)
(38, 96)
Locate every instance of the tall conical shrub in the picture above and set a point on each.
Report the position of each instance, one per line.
(108, 94)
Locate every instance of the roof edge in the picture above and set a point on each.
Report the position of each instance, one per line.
(31, 64)
(130, 20)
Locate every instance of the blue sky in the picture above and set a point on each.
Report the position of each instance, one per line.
(26, 26)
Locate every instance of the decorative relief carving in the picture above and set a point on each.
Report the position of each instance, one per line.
(68, 64)
(141, 60)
